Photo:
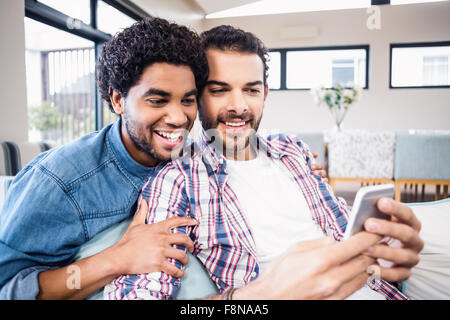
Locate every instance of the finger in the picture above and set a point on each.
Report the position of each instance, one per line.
(175, 222)
(405, 233)
(330, 282)
(321, 173)
(177, 254)
(182, 240)
(171, 270)
(141, 213)
(345, 250)
(334, 279)
(400, 211)
(395, 274)
(399, 256)
(317, 166)
(348, 288)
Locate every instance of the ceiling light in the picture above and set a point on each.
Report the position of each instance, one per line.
(397, 2)
(288, 6)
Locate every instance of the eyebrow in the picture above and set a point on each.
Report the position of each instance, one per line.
(158, 92)
(153, 91)
(193, 92)
(220, 83)
(254, 83)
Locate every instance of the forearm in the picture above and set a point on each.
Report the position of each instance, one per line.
(252, 291)
(79, 279)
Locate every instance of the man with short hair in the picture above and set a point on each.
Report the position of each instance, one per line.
(262, 214)
(149, 74)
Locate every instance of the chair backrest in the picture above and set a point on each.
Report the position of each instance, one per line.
(361, 154)
(422, 154)
(315, 142)
(14, 153)
(10, 158)
(5, 159)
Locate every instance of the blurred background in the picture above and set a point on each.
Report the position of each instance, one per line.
(395, 53)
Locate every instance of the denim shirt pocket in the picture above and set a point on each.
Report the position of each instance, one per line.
(105, 197)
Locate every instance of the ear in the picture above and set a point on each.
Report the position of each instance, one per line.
(266, 91)
(117, 101)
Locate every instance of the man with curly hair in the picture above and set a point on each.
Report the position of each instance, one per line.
(149, 74)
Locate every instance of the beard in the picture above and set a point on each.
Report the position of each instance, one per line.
(230, 143)
(138, 137)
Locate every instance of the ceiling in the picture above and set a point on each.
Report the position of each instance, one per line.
(234, 8)
(210, 6)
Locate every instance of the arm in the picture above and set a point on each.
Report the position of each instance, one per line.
(82, 278)
(402, 229)
(167, 195)
(35, 244)
(318, 269)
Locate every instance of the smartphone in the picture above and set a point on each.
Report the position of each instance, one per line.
(365, 206)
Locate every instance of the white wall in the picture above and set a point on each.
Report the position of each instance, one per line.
(380, 107)
(13, 106)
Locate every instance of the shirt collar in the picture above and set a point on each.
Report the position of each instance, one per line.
(137, 172)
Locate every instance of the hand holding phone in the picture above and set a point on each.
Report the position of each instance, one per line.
(365, 206)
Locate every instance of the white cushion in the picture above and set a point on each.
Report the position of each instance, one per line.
(430, 278)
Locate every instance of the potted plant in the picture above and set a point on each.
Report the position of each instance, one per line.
(338, 100)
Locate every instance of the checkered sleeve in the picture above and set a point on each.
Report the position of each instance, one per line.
(166, 197)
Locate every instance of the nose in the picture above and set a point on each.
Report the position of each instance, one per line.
(176, 116)
(237, 103)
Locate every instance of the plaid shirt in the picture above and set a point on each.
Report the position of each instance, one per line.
(196, 186)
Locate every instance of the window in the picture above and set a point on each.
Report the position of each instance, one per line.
(60, 83)
(79, 9)
(420, 65)
(63, 39)
(112, 20)
(274, 63)
(306, 68)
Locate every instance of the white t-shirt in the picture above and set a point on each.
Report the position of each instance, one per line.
(275, 209)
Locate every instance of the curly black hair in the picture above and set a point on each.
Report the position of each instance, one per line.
(124, 57)
(226, 37)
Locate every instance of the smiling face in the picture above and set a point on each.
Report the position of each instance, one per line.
(157, 113)
(233, 99)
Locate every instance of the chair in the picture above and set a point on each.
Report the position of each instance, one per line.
(5, 159)
(422, 158)
(361, 156)
(14, 154)
(5, 170)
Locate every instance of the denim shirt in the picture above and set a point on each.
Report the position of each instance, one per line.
(61, 200)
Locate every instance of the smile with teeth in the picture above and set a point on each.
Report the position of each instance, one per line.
(235, 124)
(171, 136)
